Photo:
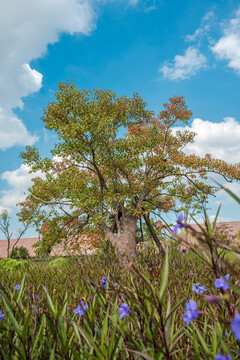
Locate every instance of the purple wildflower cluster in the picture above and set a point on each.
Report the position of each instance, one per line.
(81, 308)
(222, 283)
(124, 310)
(191, 312)
(179, 224)
(221, 357)
(103, 282)
(198, 289)
(235, 325)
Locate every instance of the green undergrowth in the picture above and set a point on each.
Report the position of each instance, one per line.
(38, 303)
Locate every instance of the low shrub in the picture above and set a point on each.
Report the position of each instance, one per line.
(13, 264)
(59, 262)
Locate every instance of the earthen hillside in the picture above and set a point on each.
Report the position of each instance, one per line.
(231, 228)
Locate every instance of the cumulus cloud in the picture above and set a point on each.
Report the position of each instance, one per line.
(228, 46)
(184, 66)
(18, 180)
(26, 29)
(13, 131)
(219, 139)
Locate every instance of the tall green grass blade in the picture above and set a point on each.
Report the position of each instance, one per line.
(20, 291)
(90, 341)
(164, 276)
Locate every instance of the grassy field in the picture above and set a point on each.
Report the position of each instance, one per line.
(86, 308)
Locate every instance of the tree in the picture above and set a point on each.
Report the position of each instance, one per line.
(115, 162)
(5, 228)
(19, 253)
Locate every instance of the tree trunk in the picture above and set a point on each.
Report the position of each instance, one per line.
(8, 248)
(124, 243)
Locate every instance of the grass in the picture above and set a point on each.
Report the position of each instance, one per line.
(39, 320)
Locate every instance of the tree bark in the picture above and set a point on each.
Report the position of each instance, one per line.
(124, 243)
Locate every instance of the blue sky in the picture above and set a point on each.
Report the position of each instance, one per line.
(157, 48)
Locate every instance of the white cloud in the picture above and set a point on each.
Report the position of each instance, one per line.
(219, 139)
(18, 180)
(228, 46)
(27, 27)
(184, 66)
(203, 29)
(13, 131)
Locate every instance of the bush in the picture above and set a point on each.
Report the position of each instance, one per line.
(19, 253)
(59, 262)
(12, 264)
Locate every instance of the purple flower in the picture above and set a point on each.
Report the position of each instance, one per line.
(178, 225)
(132, 255)
(95, 329)
(191, 273)
(235, 325)
(115, 284)
(103, 282)
(195, 288)
(198, 289)
(222, 283)
(180, 251)
(124, 310)
(1, 315)
(202, 289)
(80, 309)
(221, 357)
(191, 311)
(17, 287)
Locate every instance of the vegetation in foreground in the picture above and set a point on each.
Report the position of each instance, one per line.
(181, 306)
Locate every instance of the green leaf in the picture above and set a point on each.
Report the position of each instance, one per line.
(63, 309)
(164, 276)
(40, 333)
(104, 339)
(13, 320)
(51, 307)
(235, 197)
(201, 340)
(168, 322)
(140, 353)
(21, 288)
(91, 342)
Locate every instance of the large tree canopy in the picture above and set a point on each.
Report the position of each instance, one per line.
(115, 162)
